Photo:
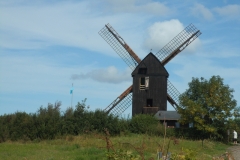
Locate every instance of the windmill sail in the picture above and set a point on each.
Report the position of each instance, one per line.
(119, 105)
(173, 95)
(175, 46)
(119, 46)
(170, 50)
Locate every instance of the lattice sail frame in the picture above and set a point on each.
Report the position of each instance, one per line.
(118, 106)
(170, 50)
(173, 95)
(116, 42)
(177, 44)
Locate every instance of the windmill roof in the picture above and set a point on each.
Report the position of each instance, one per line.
(167, 115)
(153, 64)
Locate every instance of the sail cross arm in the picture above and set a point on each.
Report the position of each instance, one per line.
(178, 44)
(123, 43)
(181, 47)
(116, 107)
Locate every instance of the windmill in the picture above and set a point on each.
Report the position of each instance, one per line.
(143, 96)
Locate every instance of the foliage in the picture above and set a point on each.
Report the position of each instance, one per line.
(143, 123)
(233, 124)
(185, 154)
(209, 104)
(237, 122)
(122, 154)
(49, 123)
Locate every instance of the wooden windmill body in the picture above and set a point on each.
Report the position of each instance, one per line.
(151, 89)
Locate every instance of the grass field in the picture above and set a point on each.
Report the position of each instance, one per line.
(93, 147)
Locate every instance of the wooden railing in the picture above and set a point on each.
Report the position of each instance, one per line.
(150, 110)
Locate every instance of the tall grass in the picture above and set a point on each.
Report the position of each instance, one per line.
(92, 146)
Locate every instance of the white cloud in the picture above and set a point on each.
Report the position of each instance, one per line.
(160, 33)
(67, 24)
(229, 10)
(107, 75)
(200, 10)
(41, 23)
(133, 6)
(154, 8)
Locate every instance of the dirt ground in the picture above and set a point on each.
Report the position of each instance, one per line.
(235, 151)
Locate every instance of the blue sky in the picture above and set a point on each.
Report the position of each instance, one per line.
(44, 43)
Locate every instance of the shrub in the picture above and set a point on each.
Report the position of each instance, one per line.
(143, 123)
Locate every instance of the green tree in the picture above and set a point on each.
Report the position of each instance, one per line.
(68, 122)
(47, 122)
(208, 104)
(237, 121)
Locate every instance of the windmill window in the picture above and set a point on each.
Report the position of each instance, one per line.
(142, 71)
(144, 83)
(149, 102)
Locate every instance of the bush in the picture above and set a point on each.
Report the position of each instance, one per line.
(68, 124)
(99, 120)
(49, 123)
(143, 123)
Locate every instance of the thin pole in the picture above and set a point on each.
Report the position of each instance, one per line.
(72, 95)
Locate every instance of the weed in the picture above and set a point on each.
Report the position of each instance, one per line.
(85, 147)
(70, 138)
